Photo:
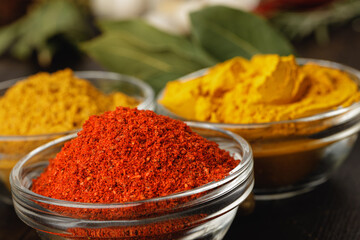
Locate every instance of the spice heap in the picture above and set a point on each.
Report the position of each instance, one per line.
(267, 88)
(49, 103)
(129, 155)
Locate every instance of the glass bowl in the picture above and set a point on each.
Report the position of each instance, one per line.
(13, 148)
(205, 212)
(295, 161)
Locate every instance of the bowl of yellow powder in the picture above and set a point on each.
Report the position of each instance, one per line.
(301, 116)
(39, 108)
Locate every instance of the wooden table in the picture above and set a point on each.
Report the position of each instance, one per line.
(330, 212)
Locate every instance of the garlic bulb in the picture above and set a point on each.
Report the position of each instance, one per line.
(118, 9)
(173, 15)
(246, 5)
(162, 22)
(182, 15)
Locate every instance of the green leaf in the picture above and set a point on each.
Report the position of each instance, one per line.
(123, 56)
(145, 36)
(297, 25)
(46, 20)
(225, 33)
(7, 36)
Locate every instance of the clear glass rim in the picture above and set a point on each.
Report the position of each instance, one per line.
(147, 90)
(243, 166)
(320, 116)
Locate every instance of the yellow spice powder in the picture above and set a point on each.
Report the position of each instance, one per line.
(265, 89)
(50, 103)
(269, 88)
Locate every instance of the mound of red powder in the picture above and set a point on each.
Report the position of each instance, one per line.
(129, 155)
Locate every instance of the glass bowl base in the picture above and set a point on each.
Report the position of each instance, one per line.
(5, 195)
(287, 192)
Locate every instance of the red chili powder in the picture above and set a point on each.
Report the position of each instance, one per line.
(129, 155)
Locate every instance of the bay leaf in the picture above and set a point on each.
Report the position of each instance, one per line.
(300, 24)
(225, 33)
(46, 20)
(145, 36)
(8, 34)
(154, 66)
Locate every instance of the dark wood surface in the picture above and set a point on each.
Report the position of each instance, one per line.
(330, 212)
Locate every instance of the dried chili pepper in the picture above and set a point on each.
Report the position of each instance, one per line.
(129, 155)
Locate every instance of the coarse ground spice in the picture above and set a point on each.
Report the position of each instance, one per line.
(129, 155)
(47, 103)
(170, 229)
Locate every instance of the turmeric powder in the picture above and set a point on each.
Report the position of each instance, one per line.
(50, 103)
(270, 89)
(267, 88)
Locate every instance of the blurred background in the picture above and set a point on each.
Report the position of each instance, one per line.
(46, 35)
(120, 35)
